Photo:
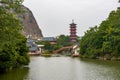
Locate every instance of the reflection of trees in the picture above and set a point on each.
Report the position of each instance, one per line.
(16, 74)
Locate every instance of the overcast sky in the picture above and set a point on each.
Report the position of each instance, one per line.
(54, 16)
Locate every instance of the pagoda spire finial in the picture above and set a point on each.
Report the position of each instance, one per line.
(72, 20)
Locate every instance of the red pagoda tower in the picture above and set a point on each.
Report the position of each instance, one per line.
(73, 35)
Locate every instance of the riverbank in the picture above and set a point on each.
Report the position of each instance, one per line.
(105, 57)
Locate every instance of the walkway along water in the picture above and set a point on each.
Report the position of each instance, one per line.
(73, 50)
(63, 48)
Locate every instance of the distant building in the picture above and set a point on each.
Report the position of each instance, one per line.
(33, 48)
(73, 36)
(76, 49)
(52, 40)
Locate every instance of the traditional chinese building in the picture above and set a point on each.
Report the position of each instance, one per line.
(52, 40)
(73, 35)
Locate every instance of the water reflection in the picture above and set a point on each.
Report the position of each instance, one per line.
(16, 74)
(102, 70)
(65, 68)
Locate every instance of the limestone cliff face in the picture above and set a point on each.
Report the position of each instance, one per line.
(30, 26)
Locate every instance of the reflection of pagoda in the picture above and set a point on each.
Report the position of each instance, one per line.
(73, 35)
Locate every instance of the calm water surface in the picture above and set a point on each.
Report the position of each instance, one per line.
(65, 68)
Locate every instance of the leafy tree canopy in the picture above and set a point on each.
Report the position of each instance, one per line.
(13, 49)
(104, 39)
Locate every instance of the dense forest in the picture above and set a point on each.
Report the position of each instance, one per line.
(103, 41)
(13, 49)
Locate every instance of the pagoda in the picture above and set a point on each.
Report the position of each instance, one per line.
(73, 36)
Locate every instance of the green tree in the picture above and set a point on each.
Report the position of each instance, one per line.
(64, 40)
(104, 39)
(13, 49)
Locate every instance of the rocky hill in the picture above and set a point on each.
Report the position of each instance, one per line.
(30, 26)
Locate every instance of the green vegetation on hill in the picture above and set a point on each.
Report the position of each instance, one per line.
(13, 49)
(103, 40)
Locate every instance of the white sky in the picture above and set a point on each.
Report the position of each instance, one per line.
(54, 16)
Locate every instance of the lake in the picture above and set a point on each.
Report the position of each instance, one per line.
(65, 68)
